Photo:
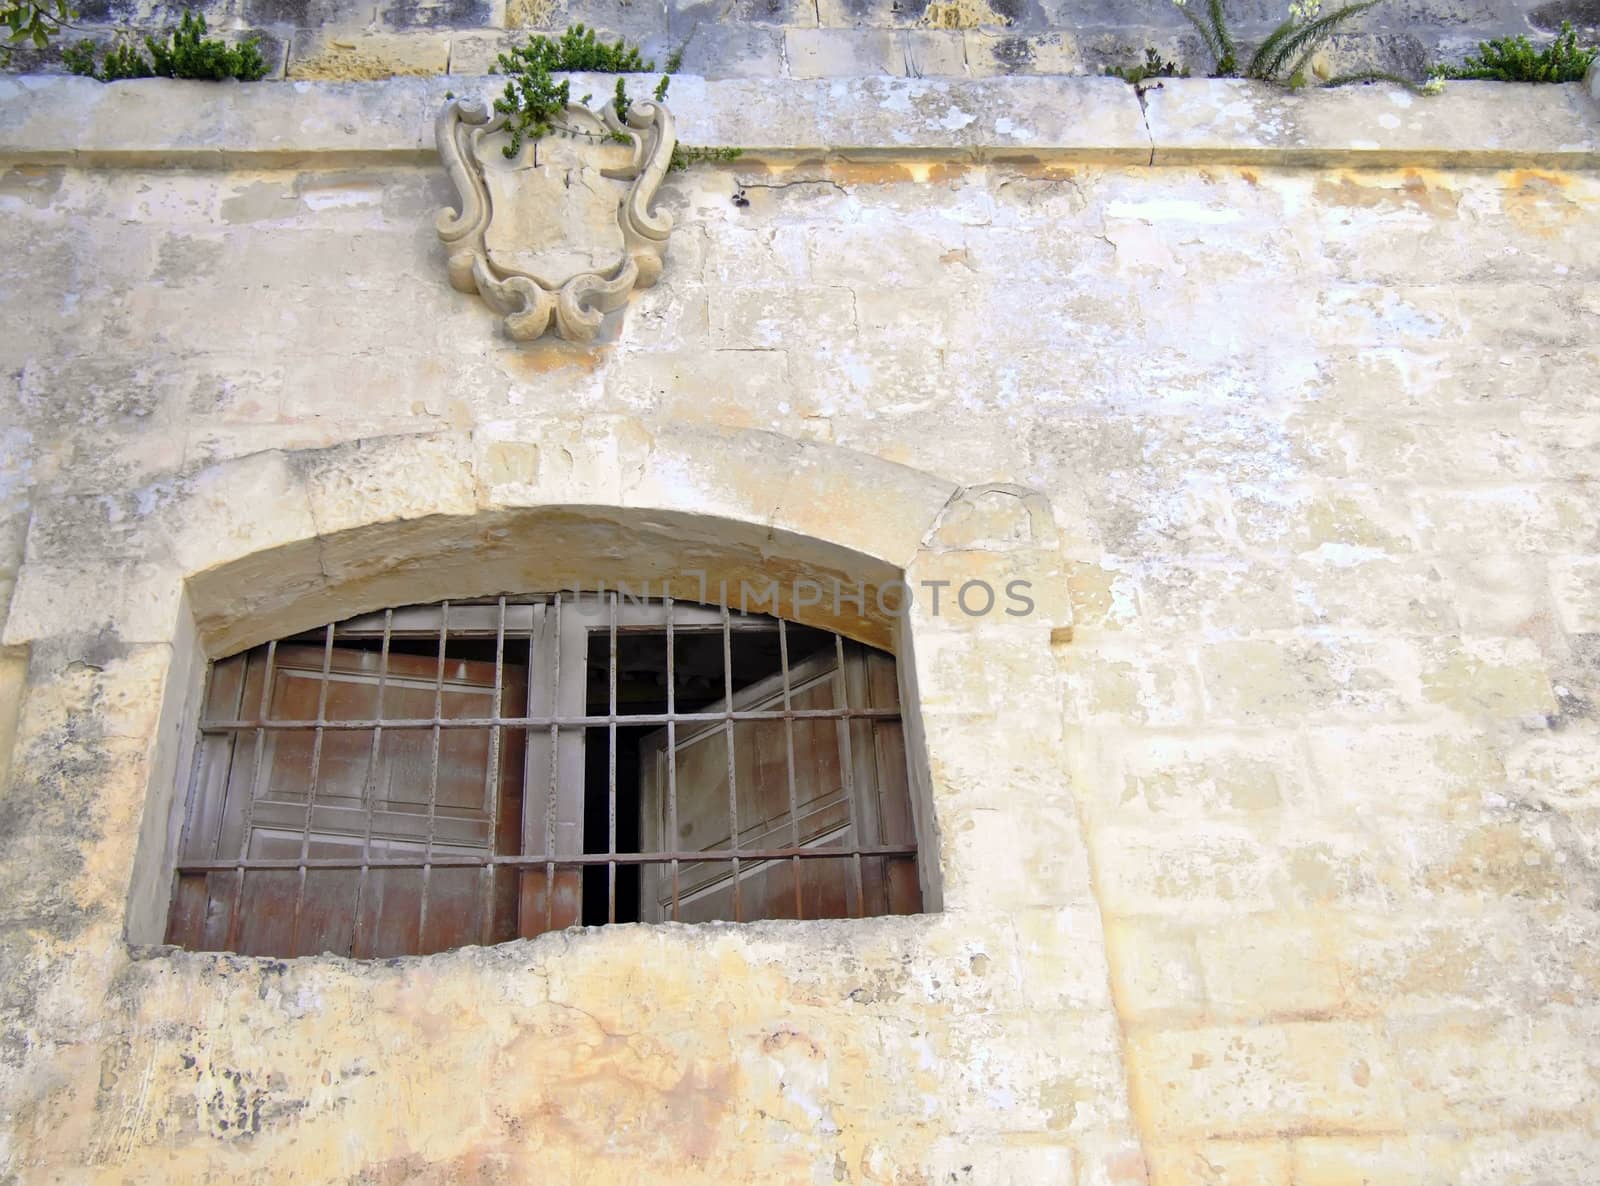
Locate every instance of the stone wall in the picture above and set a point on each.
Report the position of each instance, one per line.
(343, 39)
(1268, 846)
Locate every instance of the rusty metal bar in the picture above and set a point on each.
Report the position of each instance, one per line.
(311, 792)
(555, 774)
(369, 791)
(492, 776)
(589, 858)
(733, 791)
(564, 722)
(433, 774)
(672, 749)
(611, 766)
(788, 737)
(847, 767)
(247, 819)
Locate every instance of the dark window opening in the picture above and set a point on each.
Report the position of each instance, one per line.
(436, 776)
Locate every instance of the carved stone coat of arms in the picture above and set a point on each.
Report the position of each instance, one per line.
(561, 232)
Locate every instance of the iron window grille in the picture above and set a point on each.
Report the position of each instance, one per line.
(471, 772)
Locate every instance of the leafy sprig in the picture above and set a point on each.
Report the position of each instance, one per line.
(1515, 59)
(534, 101)
(184, 52)
(31, 21)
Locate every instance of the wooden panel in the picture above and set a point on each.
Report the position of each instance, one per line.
(824, 782)
(371, 793)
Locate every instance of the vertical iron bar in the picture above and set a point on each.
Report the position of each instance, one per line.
(492, 775)
(311, 792)
(670, 841)
(788, 736)
(611, 771)
(433, 776)
(248, 817)
(369, 789)
(848, 766)
(555, 774)
(727, 723)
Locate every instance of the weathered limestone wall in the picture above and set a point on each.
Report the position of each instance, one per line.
(1268, 846)
(360, 39)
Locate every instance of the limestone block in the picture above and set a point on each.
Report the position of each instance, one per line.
(377, 481)
(1404, 770)
(1144, 686)
(126, 604)
(840, 53)
(990, 53)
(1061, 958)
(1555, 768)
(1271, 967)
(1335, 588)
(1202, 775)
(1102, 597)
(1255, 681)
(1485, 1073)
(717, 49)
(1576, 585)
(235, 509)
(440, 14)
(686, 17)
(1490, 677)
(1264, 1079)
(1384, 124)
(763, 319)
(1402, 1161)
(1210, 871)
(1233, 595)
(348, 56)
(1503, 959)
(1155, 969)
(1222, 1163)
(13, 679)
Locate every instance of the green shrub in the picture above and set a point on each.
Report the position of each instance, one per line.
(183, 53)
(1514, 59)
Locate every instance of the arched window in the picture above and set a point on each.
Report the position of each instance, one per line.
(470, 772)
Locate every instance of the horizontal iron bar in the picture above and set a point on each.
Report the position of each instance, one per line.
(544, 722)
(588, 858)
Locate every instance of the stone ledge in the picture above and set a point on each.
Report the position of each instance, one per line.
(45, 120)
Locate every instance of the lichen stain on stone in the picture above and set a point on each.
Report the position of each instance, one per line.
(36, 185)
(962, 14)
(549, 356)
(1539, 203)
(529, 14)
(1413, 190)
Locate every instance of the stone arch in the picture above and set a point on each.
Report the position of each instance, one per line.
(308, 538)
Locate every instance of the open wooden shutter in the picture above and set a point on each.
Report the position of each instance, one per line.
(259, 803)
(849, 783)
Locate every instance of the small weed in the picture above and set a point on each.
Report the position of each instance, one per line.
(1514, 59)
(1153, 66)
(684, 155)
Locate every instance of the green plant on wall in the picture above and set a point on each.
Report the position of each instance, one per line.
(1153, 66)
(1514, 59)
(185, 52)
(31, 22)
(533, 100)
(1284, 54)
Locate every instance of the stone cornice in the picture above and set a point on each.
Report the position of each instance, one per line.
(1045, 120)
